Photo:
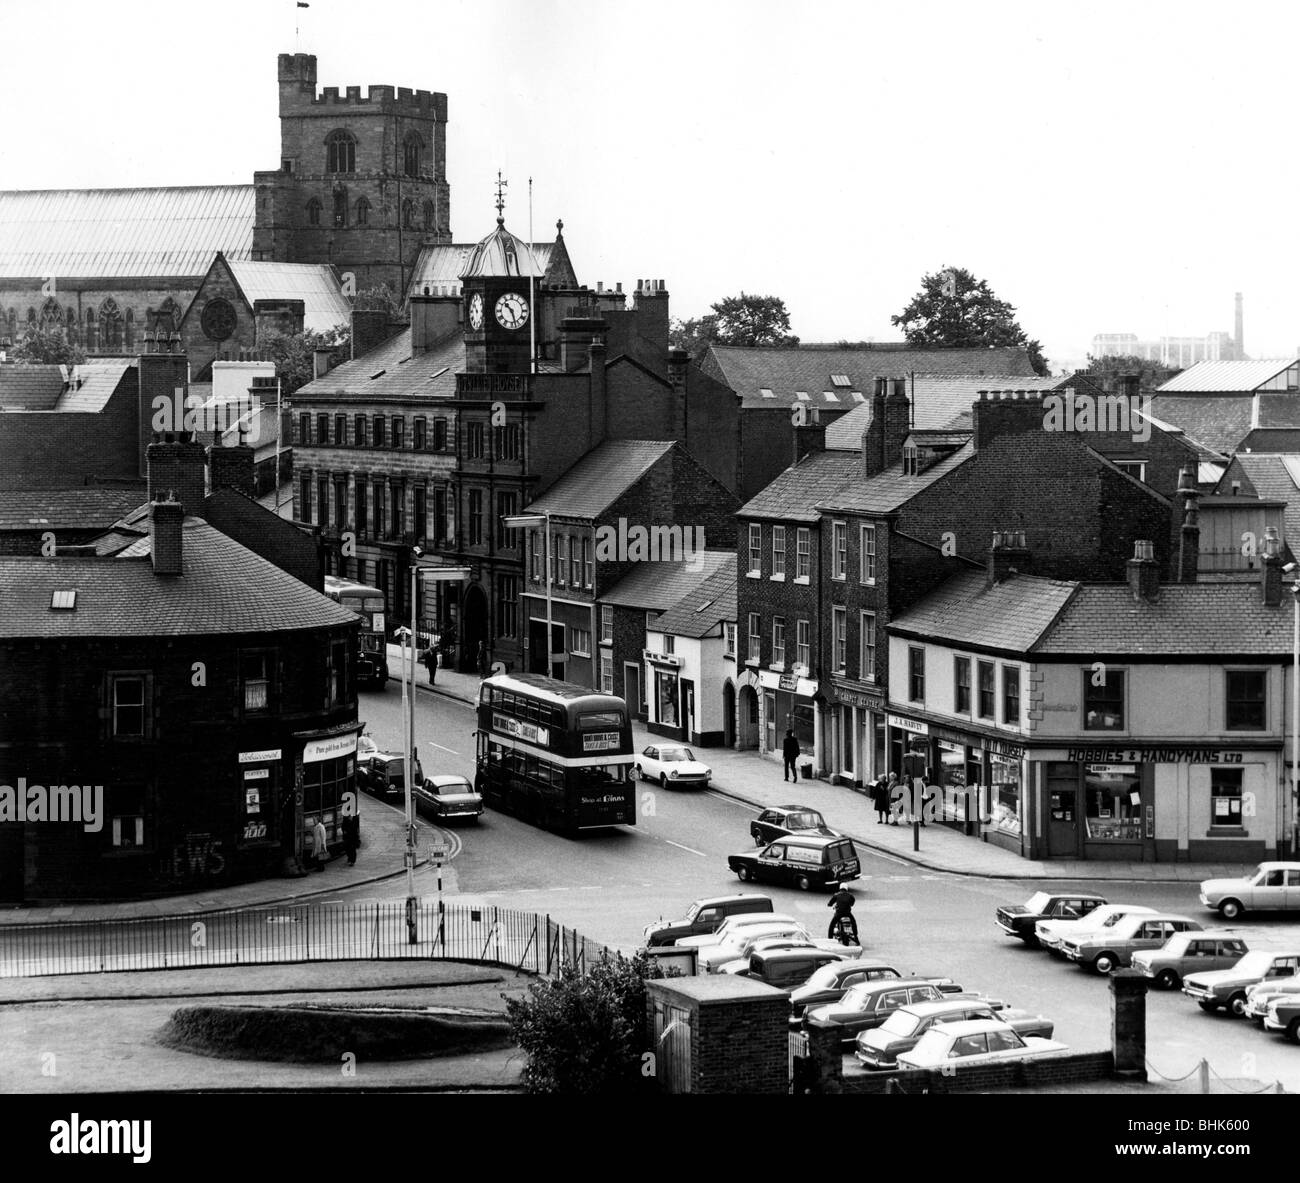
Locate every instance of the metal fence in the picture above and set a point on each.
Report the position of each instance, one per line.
(526, 941)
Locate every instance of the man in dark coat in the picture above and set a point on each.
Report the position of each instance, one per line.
(351, 837)
(431, 660)
(880, 797)
(789, 754)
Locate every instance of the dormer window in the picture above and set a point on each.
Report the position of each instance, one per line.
(340, 152)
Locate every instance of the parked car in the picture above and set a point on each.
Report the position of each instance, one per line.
(880, 1047)
(446, 798)
(785, 968)
(1113, 947)
(704, 917)
(1187, 952)
(673, 765)
(741, 944)
(802, 862)
(1270, 887)
(869, 1004)
(383, 774)
(1283, 1014)
(1019, 920)
(734, 924)
(1227, 987)
(830, 982)
(781, 820)
(1262, 993)
(1051, 933)
(980, 1041)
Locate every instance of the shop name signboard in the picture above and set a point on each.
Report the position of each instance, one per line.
(863, 699)
(788, 682)
(329, 749)
(264, 757)
(1154, 755)
(661, 658)
(600, 741)
(912, 725)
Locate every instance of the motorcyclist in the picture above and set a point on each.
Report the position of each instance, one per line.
(842, 901)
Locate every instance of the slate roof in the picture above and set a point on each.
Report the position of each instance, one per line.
(600, 478)
(1273, 478)
(1226, 618)
(41, 387)
(315, 284)
(1225, 377)
(389, 371)
(80, 508)
(657, 587)
(1222, 422)
(225, 588)
(750, 369)
(1271, 439)
(792, 495)
(79, 233)
(1010, 615)
(889, 490)
(700, 611)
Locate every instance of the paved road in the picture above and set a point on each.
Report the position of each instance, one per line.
(609, 885)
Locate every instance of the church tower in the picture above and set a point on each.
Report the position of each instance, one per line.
(362, 182)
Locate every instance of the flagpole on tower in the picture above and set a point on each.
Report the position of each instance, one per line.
(298, 5)
(532, 302)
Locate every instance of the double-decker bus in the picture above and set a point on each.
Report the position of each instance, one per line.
(555, 754)
(368, 603)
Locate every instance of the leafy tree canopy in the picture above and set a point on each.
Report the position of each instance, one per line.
(953, 308)
(1150, 373)
(380, 298)
(736, 320)
(47, 347)
(294, 354)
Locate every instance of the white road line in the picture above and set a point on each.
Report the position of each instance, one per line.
(441, 748)
(688, 849)
(889, 858)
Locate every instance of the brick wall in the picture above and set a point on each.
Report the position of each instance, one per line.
(1068, 1069)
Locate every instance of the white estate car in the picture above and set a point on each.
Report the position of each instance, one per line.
(1271, 886)
(976, 1041)
(672, 765)
(734, 924)
(1051, 933)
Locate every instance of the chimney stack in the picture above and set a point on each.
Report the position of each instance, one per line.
(873, 439)
(176, 466)
(599, 394)
(1143, 571)
(434, 319)
(898, 414)
(1271, 573)
(1007, 554)
(321, 362)
(1190, 546)
(166, 519)
(810, 437)
(678, 360)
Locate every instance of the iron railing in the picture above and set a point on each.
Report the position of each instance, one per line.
(525, 941)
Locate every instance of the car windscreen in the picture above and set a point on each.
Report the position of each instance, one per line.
(1037, 902)
(1255, 965)
(901, 1023)
(804, 819)
(676, 755)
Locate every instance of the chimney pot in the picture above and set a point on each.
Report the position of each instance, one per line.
(1143, 573)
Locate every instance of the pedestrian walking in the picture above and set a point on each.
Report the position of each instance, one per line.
(789, 754)
(891, 789)
(320, 845)
(880, 798)
(351, 837)
(430, 660)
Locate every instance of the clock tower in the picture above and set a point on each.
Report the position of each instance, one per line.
(499, 312)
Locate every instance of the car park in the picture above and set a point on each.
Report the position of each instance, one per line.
(383, 774)
(1019, 920)
(1270, 887)
(1283, 1015)
(830, 983)
(445, 798)
(1262, 993)
(780, 820)
(1187, 952)
(1050, 933)
(673, 765)
(880, 1047)
(1227, 988)
(800, 862)
(1111, 948)
(869, 1004)
(704, 917)
(980, 1041)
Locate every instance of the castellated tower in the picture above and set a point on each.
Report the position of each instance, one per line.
(362, 182)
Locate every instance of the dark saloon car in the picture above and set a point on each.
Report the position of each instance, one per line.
(1019, 920)
(703, 917)
(869, 1004)
(383, 774)
(790, 967)
(800, 862)
(880, 1047)
(831, 982)
(781, 820)
(444, 798)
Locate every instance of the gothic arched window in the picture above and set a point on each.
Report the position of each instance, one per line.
(90, 328)
(428, 217)
(363, 212)
(130, 327)
(70, 323)
(313, 212)
(341, 206)
(341, 152)
(408, 214)
(51, 316)
(110, 325)
(413, 150)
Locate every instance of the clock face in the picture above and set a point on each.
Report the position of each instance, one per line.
(512, 310)
(476, 311)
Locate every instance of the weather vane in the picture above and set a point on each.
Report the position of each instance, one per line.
(501, 198)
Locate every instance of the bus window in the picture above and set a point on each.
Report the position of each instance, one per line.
(595, 720)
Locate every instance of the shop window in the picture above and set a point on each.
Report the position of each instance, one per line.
(1103, 705)
(755, 549)
(803, 553)
(1245, 700)
(1011, 695)
(1004, 794)
(1225, 797)
(778, 552)
(778, 640)
(915, 674)
(1113, 805)
(986, 692)
(839, 639)
(961, 685)
(867, 638)
(666, 697)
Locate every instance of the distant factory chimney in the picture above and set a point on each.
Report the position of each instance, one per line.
(1238, 335)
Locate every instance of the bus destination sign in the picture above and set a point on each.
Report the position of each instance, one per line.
(529, 732)
(600, 741)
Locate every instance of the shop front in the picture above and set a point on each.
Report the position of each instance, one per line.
(671, 697)
(858, 733)
(326, 782)
(793, 703)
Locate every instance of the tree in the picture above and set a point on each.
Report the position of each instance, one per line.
(294, 355)
(953, 308)
(1150, 373)
(736, 320)
(379, 298)
(47, 347)
(586, 1033)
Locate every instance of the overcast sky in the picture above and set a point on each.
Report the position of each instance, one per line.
(1107, 167)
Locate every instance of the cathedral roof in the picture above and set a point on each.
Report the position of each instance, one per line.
(85, 233)
(502, 254)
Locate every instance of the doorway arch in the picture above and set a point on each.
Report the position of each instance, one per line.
(747, 720)
(729, 714)
(473, 628)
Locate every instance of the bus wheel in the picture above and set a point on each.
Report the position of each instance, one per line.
(803, 883)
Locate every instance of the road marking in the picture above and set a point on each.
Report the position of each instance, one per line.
(688, 849)
(442, 749)
(889, 858)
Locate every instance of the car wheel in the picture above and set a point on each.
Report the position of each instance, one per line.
(758, 840)
(663, 781)
(1293, 1030)
(803, 883)
(1237, 1005)
(744, 874)
(640, 772)
(1207, 1006)
(1167, 979)
(1105, 963)
(1230, 909)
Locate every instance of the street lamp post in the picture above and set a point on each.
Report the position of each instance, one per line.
(523, 521)
(1295, 715)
